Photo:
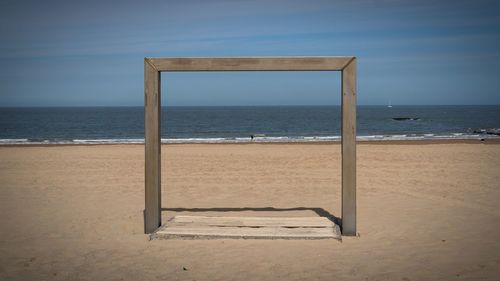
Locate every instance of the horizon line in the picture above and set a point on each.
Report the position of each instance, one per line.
(268, 105)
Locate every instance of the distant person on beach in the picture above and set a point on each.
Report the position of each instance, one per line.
(251, 137)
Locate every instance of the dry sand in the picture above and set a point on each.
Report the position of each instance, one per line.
(425, 212)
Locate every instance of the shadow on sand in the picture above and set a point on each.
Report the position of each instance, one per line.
(319, 211)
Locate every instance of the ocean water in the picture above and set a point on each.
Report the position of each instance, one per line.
(239, 123)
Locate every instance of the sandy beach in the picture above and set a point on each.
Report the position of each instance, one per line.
(425, 212)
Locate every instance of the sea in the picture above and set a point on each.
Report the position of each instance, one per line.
(241, 124)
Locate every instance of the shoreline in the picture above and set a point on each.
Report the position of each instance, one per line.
(491, 141)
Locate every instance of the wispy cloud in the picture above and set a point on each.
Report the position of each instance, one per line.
(113, 36)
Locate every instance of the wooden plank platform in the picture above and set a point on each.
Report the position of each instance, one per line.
(203, 227)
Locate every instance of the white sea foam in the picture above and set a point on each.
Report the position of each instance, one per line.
(105, 141)
(7, 141)
(258, 139)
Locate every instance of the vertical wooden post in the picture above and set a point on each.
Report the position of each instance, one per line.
(152, 108)
(349, 149)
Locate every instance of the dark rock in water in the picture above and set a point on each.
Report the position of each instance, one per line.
(494, 131)
(405, 118)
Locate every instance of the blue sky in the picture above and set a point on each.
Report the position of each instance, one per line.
(86, 53)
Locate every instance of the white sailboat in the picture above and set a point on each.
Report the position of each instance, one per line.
(390, 105)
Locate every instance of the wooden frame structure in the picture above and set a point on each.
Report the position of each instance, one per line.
(152, 103)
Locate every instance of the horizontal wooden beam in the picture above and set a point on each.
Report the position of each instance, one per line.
(251, 63)
(254, 221)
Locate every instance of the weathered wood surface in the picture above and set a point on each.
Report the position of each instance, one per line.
(152, 111)
(248, 228)
(255, 221)
(251, 64)
(349, 149)
(154, 66)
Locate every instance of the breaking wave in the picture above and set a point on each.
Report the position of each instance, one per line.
(258, 139)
